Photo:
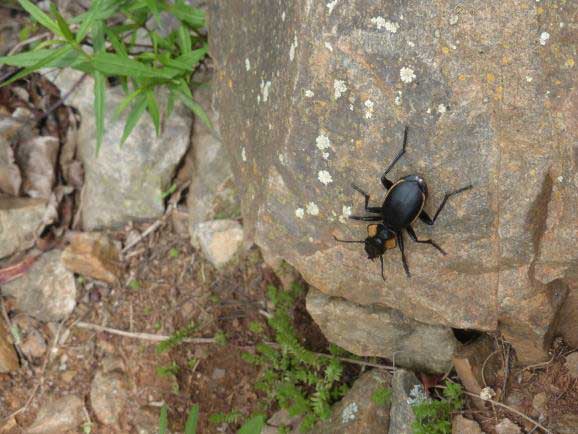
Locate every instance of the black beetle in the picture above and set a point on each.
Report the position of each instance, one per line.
(402, 206)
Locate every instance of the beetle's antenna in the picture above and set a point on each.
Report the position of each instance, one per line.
(348, 241)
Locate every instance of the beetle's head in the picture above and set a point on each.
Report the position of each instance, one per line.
(379, 239)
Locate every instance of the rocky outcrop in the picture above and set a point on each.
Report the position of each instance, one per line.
(313, 96)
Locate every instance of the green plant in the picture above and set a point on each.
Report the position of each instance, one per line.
(134, 284)
(231, 418)
(434, 416)
(190, 425)
(118, 38)
(176, 338)
(294, 378)
(221, 338)
(170, 369)
(381, 396)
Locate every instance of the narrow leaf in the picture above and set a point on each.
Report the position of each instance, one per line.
(127, 100)
(154, 7)
(253, 425)
(195, 108)
(27, 58)
(98, 37)
(38, 15)
(153, 110)
(133, 117)
(99, 106)
(88, 20)
(163, 420)
(184, 39)
(193, 17)
(114, 64)
(62, 24)
(117, 45)
(192, 420)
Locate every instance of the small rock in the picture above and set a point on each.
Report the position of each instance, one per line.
(566, 424)
(357, 412)
(93, 255)
(108, 394)
(10, 176)
(407, 390)
(219, 240)
(572, 364)
(8, 357)
(58, 416)
(34, 345)
(283, 418)
(146, 421)
(461, 425)
(218, 374)
(47, 291)
(506, 426)
(37, 160)
(21, 220)
(539, 403)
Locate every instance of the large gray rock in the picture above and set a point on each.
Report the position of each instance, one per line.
(407, 391)
(315, 95)
(124, 183)
(21, 220)
(58, 416)
(47, 291)
(383, 332)
(109, 392)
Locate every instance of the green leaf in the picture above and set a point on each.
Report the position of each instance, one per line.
(114, 64)
(133, 117)
(62, 24)
(195, 107)
(127, 100)
(253, 425)
(117, 45)
(186, 62)
(89, 18)
(99, 106)
(98, 37)
(54, 55)
(154, 7)
(192, 419)
(40, 16)
(192, 16)
(184, 39)
(153, 110)
(27, 58)
(164, 420)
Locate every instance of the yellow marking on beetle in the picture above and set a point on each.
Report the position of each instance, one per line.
(390, 244)
(371, 230)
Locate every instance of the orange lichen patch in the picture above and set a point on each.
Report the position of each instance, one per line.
(570, 62)
(499, 93)
(230, 84)
(461, 77)
(539, 10)
(445, 50)
(490, 77)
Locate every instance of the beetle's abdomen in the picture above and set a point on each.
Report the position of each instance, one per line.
(402, 205)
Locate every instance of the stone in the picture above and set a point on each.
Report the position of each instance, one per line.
(218, 374)
(47, 291)
(59, 416)
(219, 240)
(21, 220)
(93, 255)
(10, 176)
(357, 413)
(469, 361)
(571, 364)
(310, 102)
(124, 183)
(212, 190)
(539, 403)
(382, 332)
(8, 356)
(506, 426)
(461, 425)
(36, 158)
(406, 391)
(567, 325)
(566, 424)
(34, 345)
(108, 392)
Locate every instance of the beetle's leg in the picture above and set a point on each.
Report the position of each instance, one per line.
(382, 274)
(386, 183)
(348, 241)
(413, 236)
(424, 217)
(366, 218)
(402, 249)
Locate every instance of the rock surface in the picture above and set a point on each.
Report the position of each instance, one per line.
(93, 255)
(219, 240)
(572, 364)
(566, 424)
(357, 413)
(506, 426)
(47, 291)
(124, 183)
(108, 392)
(406, 389)
(461, 425)
(382, 332)
(20, 223)
(59, 416)
(10, 176)
(8, 357)
(313, 96)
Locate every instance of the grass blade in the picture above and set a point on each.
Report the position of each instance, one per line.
(153, 109)
(39, 16)
(253, 425)
(133, 117)
(114, 64)
(99, 106)
(192, 420)
(163, 420)
(184, 39)
(62, 24)
(27, 58)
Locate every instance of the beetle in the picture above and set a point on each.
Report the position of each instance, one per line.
(403, 204)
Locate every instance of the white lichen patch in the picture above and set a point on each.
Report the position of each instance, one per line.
(325, 155)
(340, 88)
(351, 107)
(324, 177)
(398, 98)
(349, 413)
(406, 74)
(300, 213)
(382, 23)
(265, 86)
(328, 46)
(283, 16)
(312, 208)
(283, 159)
(243, 154)
(309, 93)
(442, 109)
(322, 142)
(292, 48)
(544, 36)
(560, 179)
(247, 65)
(345, 213)
(529, 79)
(331, 6)
(368, 109)
(411, 44)
(416, 395)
